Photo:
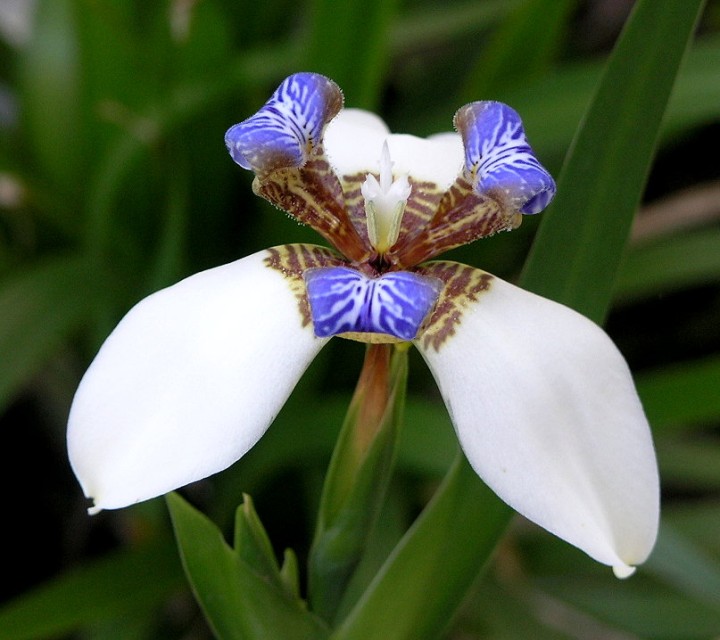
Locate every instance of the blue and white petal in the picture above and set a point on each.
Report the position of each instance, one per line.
(289, 125)
(343, 300)
(499, 159)
(546, 411)
(188, 382)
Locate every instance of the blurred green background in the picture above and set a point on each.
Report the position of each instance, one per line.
(114, 182)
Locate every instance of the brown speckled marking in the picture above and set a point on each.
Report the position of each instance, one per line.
(421, 207)
(370, 337)
(462, 216)
(355, 203)
(312, 195)
(292, 260)
(463, 285)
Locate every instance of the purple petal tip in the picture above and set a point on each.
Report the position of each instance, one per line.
(499, 158)
(288, 126)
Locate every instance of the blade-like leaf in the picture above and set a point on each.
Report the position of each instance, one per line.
(348, 42)
(185, 103)
(690, 463)
(505, 61)
(51, 93)
(39, 309)
(681, 394)
(114, 586)
(580, 242)
(663, 265)
(645, 611)
(433, 25)
(253, 546)
(238, 602)
(428, 573)
(686, 566)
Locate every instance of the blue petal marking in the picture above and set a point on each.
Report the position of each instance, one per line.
(498, 156)
(344, 300)
(283, 131)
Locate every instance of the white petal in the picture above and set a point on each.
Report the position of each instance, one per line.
(547, 414)
(438, 160)
(188, 382)
(354, 140)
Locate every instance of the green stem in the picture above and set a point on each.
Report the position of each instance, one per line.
(358, 476)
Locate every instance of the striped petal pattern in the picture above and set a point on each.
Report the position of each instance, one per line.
(499, 158)
(343, 300)
(283, 132)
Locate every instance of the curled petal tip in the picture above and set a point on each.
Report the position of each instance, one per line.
(288, 126)
(499, 158)
(623, 571)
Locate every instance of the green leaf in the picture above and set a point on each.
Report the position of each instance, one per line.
(39, 309)
(505, 61)
(290, 573)
(238, 602)
(348, 42)
(690, 464)
(253, 546)
(580, 242)
(696, 99)
(682, 394)
(662, 265)
(201, 38)
(685, 566)
(392, 524)
(114, 586)
(645, 610)
(172, 243)
(436, 25)
(185, 103)
(428, 573)
(51, 93)
(502, 612)
(698, 520)
(426, 449)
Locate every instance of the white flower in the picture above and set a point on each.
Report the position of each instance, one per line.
(543, 403)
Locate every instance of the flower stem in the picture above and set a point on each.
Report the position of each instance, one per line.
(371, 396)
(358, 476)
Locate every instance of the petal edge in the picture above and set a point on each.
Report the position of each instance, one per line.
(548, 416)
(188, 382)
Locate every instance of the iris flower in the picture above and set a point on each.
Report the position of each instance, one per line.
(542, 401)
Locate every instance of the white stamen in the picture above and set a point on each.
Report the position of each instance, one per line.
(384, 203)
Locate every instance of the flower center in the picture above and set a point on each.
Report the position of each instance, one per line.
(385, 203)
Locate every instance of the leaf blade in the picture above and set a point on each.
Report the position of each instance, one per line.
(113, 586)
(348, 42)
(605, 172)
(39, 309)
(239, 603)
